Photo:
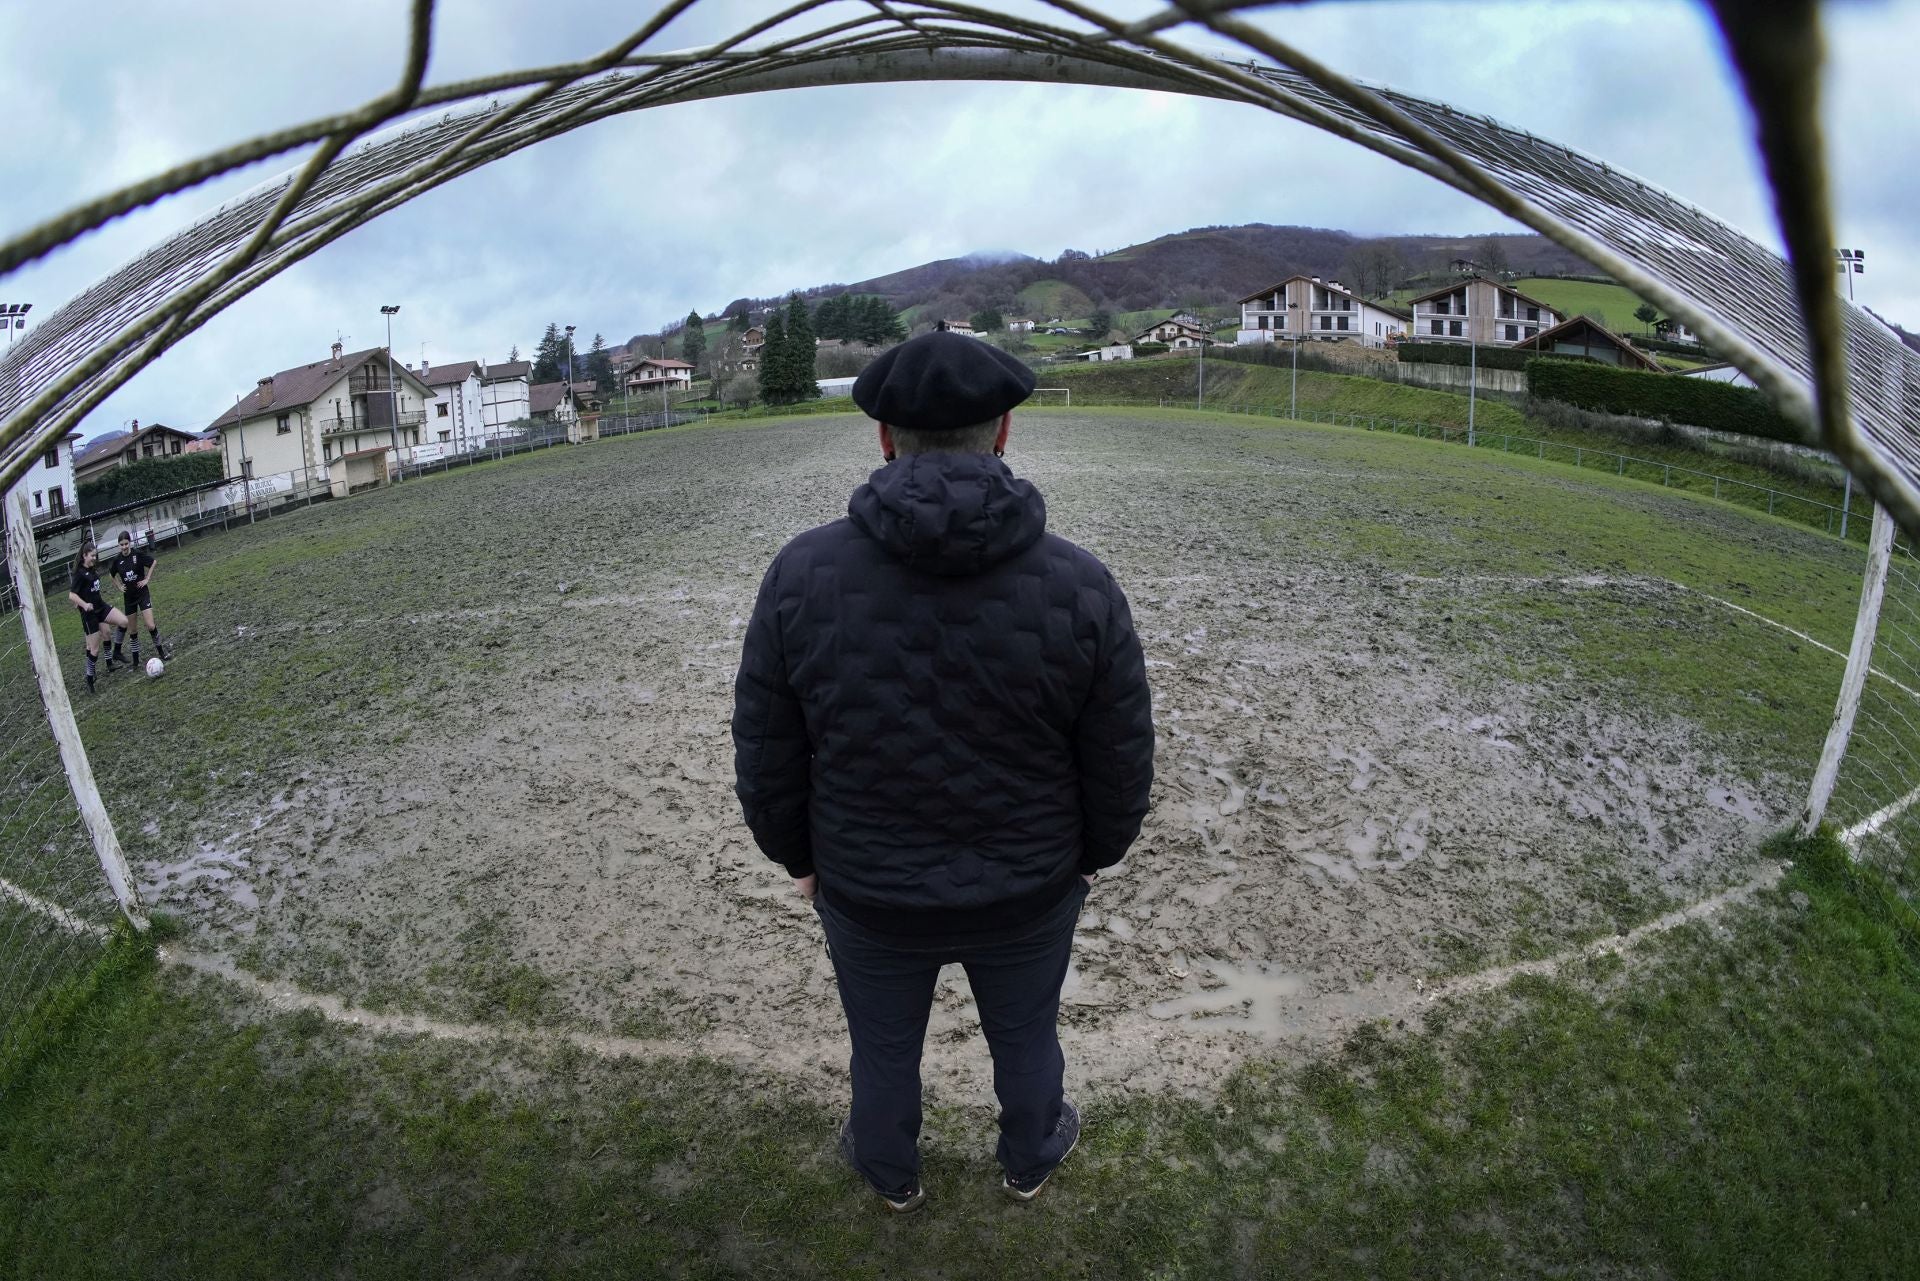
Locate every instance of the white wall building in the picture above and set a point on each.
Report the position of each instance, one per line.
(49, 484)
(455, 417)
(308, 418)
(1303, 308)
(1114, 351)
(506, 395)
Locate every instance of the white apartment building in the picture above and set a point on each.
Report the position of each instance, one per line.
(1302, 308)
(455, 416)
(506, 395)
(308, 418)
(49, 486)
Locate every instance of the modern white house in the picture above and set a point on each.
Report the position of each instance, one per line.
(1180, 332)
(49, 486)
(1301, 308)
(1020, 325)
(651, 373)
(456, 420)
(312, 418)
(1481, 311)
(506, 395)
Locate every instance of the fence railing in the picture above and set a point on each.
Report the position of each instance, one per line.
(1834, 519)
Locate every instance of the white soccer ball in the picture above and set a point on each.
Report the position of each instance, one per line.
(155, 667)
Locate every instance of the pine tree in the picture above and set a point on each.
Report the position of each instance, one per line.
(773, 361)
(513, 352)
(872, 321)
(600, 365)
(549, 358)
(693, 344)
(800, 351)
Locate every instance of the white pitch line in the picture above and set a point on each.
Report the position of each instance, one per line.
(1908, 690)
(1874, 822)
(52, 911)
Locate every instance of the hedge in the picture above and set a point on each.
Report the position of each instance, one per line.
(148, 478)
(1698, 402)
(1452, 353)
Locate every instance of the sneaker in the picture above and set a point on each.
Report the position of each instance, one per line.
(1027, 1189)
(119, 654)
(113, 664)
(90, 688)
(896, 1202)
(161, 650)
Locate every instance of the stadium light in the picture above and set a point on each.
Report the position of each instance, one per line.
(393, 392)
(1850, 263)
(1293, 332)
(570, 408)
(14, 316)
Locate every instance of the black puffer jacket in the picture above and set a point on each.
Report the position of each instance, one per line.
(941, 708)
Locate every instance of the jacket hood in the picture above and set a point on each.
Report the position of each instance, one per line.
(949, 514)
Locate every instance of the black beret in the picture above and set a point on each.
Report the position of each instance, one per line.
(941, 381)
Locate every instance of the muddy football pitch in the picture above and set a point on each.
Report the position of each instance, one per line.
(459, 749)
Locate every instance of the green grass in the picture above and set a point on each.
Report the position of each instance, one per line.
(1044, 299)
(1612, 305)
(1668, 460)
(1738, 1102)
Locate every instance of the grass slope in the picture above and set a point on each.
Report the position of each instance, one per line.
(1044, 299)
(1612, 305)
(1735, 1105)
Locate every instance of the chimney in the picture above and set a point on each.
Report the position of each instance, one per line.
(266, 388)
(338, 350)
(136, 427)
(1316, 280)
(423, 366)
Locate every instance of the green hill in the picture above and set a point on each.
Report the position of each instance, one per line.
(1611, 305)
(1044, 299)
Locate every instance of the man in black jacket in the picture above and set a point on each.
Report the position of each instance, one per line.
(942, 730)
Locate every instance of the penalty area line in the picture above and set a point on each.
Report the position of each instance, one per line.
(1908, 690)
(52, 911)
(1872, 823)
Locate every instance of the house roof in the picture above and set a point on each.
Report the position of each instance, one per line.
(508, 369)
(1539, 341)
(547, 396)
(659, 363)
(300, 386)
(457, 372)
(1270, 290)
(1507, 289)
(116, 441)
(1193, 329)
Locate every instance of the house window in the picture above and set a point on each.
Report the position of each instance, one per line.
(56, 501)
(441, 409)
(1438, 328)
(1376, 329)
(1533, 313)
(39, 500)
(175, 447)
(1326, 322)
(1344, 320)
(446, 435)
(53, 458)
(1453, 328)
(1513, 333)
(1263, 322)
(283, 425)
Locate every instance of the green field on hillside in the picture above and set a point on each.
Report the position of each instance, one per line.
(1612, 305)
(1043, 300)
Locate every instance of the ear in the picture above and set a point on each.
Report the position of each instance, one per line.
(886, 441)
(1006, 423)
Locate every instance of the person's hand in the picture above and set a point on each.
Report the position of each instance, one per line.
(806, 886)
(87, 605)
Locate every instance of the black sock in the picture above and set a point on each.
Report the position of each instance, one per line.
(155, 633)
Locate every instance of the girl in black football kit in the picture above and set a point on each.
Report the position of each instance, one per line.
(133, 571)
(97, 618)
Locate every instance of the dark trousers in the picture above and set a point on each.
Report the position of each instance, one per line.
(886, 987)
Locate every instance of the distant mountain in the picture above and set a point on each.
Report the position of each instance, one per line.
(1206, 267)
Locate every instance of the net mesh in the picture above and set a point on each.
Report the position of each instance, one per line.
(55, 907)
(1876, 800)
(1762, 312)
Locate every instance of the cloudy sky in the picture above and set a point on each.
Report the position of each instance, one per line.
(626, 224)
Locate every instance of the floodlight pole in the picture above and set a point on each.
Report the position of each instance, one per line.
(1200, 397)
(1473, 377)
(570, 408)
(1293, 332)
(393, 391)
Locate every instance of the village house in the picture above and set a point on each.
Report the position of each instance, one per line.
(1020, 326)
(1583, 337)
(1481, 311)
(506, 395)
(653, 373)
(551, 402)
(123, 448)
(456, 419)
(337, 421)
(49, 485)
(1114, 351)
(1306, 307)
(1179, 332)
